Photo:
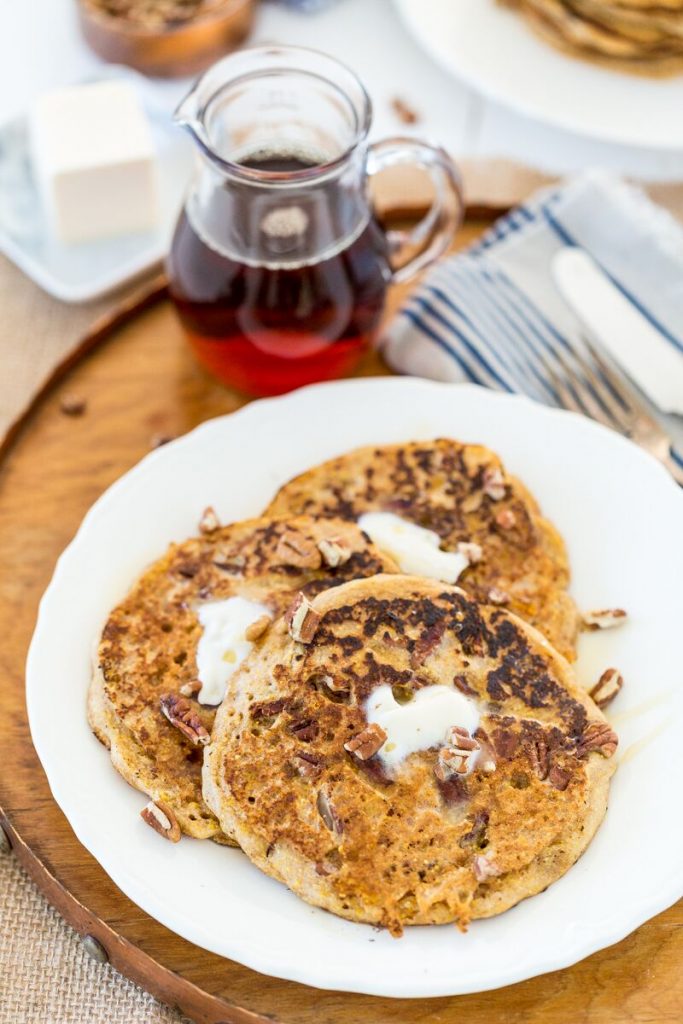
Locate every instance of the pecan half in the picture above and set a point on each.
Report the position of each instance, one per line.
(605, 618)
(485, 867)
(334, 551)
(559, 777)
(209, 522)
(182, 715)
(302, 620)
(367, 742)
(161, 818)
(471, 551)
(257, 628)
(597, 736)
(607, 687)
(295, 549)
(493, 483)
(267, 709)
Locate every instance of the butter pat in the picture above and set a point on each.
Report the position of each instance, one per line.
(421, 723)
(223, 646)
(415, 549)
(94, 162)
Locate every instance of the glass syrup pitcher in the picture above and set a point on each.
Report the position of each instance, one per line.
(278, 266)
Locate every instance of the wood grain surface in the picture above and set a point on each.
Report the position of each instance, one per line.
(139, 385)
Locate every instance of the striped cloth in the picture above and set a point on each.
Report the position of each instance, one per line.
(492, 314)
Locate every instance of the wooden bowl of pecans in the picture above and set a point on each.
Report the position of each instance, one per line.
(165, 37)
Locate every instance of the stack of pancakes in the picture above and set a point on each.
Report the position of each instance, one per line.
(641, 36)
(289, 760)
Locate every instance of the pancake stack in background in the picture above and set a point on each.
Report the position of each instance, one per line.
(641, 36)
(313, 687)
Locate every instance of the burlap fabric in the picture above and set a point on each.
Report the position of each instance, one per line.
(46, 976)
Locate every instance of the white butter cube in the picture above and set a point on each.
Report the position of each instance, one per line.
(94, 162)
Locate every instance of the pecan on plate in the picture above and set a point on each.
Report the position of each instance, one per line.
(607, 687)
(366, 743)
(493, 483)
(456, 757)
(161, 818)
(183, 716)
(605, 618)
(302, 619)
(485, 867)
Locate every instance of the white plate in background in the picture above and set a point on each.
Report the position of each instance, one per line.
(495, 50)
(620, 514)
(88, 270)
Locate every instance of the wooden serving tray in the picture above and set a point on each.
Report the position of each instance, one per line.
(141, 384)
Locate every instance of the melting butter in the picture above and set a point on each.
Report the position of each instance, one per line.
(421, 723)
(223, 645)
(415, 549)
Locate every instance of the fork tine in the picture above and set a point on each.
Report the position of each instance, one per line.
(567, 399)
(618, 383)
(582, 392)
(621, 417)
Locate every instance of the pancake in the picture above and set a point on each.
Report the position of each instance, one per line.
(625, 37)
(146, 676)
(332, 796)
(463, 494)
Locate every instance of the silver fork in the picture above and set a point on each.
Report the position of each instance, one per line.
(599, 391)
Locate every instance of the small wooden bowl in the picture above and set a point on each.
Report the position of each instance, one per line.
(171, 50)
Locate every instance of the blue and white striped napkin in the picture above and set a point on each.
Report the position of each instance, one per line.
(493, 314)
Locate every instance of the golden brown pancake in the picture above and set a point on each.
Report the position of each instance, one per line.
(464, 494)
(146, 674)
(466, 828)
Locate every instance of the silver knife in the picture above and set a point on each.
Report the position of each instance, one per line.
(635, 344)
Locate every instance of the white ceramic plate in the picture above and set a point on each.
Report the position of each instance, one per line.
(621, 516)
(88, 270)
(497, 52)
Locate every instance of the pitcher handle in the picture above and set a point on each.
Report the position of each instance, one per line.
(433, 234)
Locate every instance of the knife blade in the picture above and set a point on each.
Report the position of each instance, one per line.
(636, 345)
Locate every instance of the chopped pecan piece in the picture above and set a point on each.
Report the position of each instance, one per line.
(209, 522)
(605, 618)
(183, 716)
(493, 483)
(295, 549)
(498, 596)
(191, 689)
(367, 742)
(160, 817)
(506, 519)
(334, 551)
(305, 729)
(257, 628)
(461, 684)
(539, 756)
(597, 736)
(607, 687)
(188, 569)
(471, 551)
(559, 777)
(267, 709)
(457, 756)
(477, 834)
(328, 813)
(309, 766)
(485, 867)
(302, 619)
